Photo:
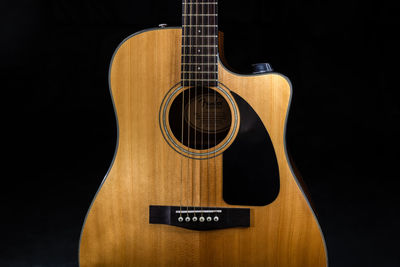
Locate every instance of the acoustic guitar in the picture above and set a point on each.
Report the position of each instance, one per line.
(201, 175)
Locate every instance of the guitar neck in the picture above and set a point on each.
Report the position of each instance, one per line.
(199, 43)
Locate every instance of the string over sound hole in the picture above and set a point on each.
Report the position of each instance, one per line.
(206, 118)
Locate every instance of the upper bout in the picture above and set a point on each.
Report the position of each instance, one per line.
(268, 94)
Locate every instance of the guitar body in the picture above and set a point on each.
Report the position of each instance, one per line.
(146, 171)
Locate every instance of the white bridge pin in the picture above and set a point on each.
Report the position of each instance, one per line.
(209, 219)
(216, 219)
(194, 219)
(180, 219)
(201, 219)
(187, 219)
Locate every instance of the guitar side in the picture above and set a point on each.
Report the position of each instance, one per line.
(146, 170)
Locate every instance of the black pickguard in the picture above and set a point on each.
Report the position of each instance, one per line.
(250, 167)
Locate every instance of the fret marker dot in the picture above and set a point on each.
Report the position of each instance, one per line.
(198, 68)
(198, 50)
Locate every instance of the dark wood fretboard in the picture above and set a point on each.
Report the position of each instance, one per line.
(199, 43)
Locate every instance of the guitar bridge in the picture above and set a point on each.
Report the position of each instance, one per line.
(200, 218)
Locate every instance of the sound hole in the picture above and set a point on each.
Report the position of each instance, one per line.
(206, 118)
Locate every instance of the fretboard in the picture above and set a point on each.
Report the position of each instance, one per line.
(199, 43)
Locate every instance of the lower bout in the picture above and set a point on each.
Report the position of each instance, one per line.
(142, 244)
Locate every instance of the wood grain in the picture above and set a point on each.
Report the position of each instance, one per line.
(146, 171)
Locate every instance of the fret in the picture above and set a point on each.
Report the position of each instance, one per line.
(201, 72)
(206, 83)
(203, 69)
(193, 80)
(200, 46)
(210, 51)
(190, 63)
(199, 1)
(200, 68)
(202, 80)
(201, 20)
(200, 59)
(200, 15)
(196, 3)
(210, 37)
(199, 9)
(211, 67)
(202, 36)
(198, 26)
(198, 31)
(198, 55)
(199, 40)
(199, 50)
(200, 75)
(213, 26)
(194, 49)
(199, 79)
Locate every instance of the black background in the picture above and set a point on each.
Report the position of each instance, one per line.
(59, 128)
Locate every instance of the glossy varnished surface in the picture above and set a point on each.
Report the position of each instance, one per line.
(146, 171)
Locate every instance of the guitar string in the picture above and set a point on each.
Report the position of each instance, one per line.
(188, 8)
(188, 112)
(195, 106)
(201, 50)
(202, 82)
(202, 112)
(215, 104)
(208, 106)
(199, 35)
(183, 58)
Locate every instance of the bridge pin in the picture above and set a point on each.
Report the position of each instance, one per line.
(216, 219)
(209, 219)
(194, 219)
(201, 219)
(187, 219)
(180, 219)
